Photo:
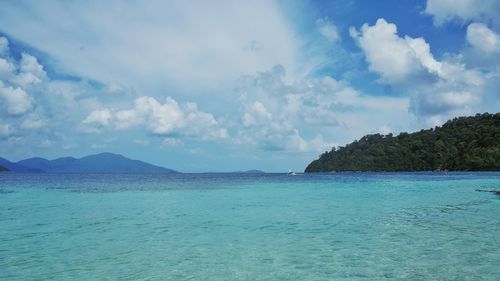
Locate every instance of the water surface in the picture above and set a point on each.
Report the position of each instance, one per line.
(359, 226)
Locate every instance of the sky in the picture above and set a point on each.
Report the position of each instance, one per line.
(213, 86)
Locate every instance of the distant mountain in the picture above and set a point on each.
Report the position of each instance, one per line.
(98, 163)
(57, 165)
(462, 144)
(15, 167)
(251, 172)
(3, 169)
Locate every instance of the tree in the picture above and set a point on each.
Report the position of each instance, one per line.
(461, 144)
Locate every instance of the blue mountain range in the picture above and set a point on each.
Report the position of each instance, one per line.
(98, 163)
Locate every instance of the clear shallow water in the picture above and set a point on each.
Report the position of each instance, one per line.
(250, 227)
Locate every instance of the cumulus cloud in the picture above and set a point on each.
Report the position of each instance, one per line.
(483, 38)
(34, 107)
(17, 105)
(256, 114)
(16, 100)
(434, 104)
(6, 69)
(275, 112)
(20, 100)
(30, 71)
(436, 87)
(328, 30)
(264, 131)
(164, 119)
(98, 117)
(393, 57)
(29, 64)
(462, 10)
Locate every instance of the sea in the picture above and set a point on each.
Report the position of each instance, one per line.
(339, 226)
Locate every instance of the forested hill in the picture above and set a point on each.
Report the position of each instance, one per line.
(461, 144)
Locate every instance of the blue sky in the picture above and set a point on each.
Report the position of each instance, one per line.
(227, 85)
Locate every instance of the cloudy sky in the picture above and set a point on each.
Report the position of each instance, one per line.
(235, 85)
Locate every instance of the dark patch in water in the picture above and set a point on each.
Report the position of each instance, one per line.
(496, 192)
(4, 191)
(429, 215)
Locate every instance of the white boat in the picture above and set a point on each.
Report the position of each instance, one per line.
(291, 173)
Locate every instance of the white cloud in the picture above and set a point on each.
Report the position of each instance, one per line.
(29, 64)
(445, 10)
(437, 103)
(483, 38)
(18, 106)
(277, 115)
(462, 10)
(406, 59)
(17, 101)
(193, 45)
(162, 119)
(25, 79)
(328, 30)
(256, 114)
(393, 57)
(36, 107)
(165, 119)
(6, 69)
(457, 99)
(31, 72)
(98, 117)
(202, 124)
(436, 87)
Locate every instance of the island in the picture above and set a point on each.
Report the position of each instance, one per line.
(250, 172)
(462, 144)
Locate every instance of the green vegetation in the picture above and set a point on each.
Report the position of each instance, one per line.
(3, 169)
(461, 144)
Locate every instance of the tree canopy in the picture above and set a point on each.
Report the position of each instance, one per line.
(461, 144)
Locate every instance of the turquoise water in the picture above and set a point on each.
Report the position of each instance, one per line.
(250, 227)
